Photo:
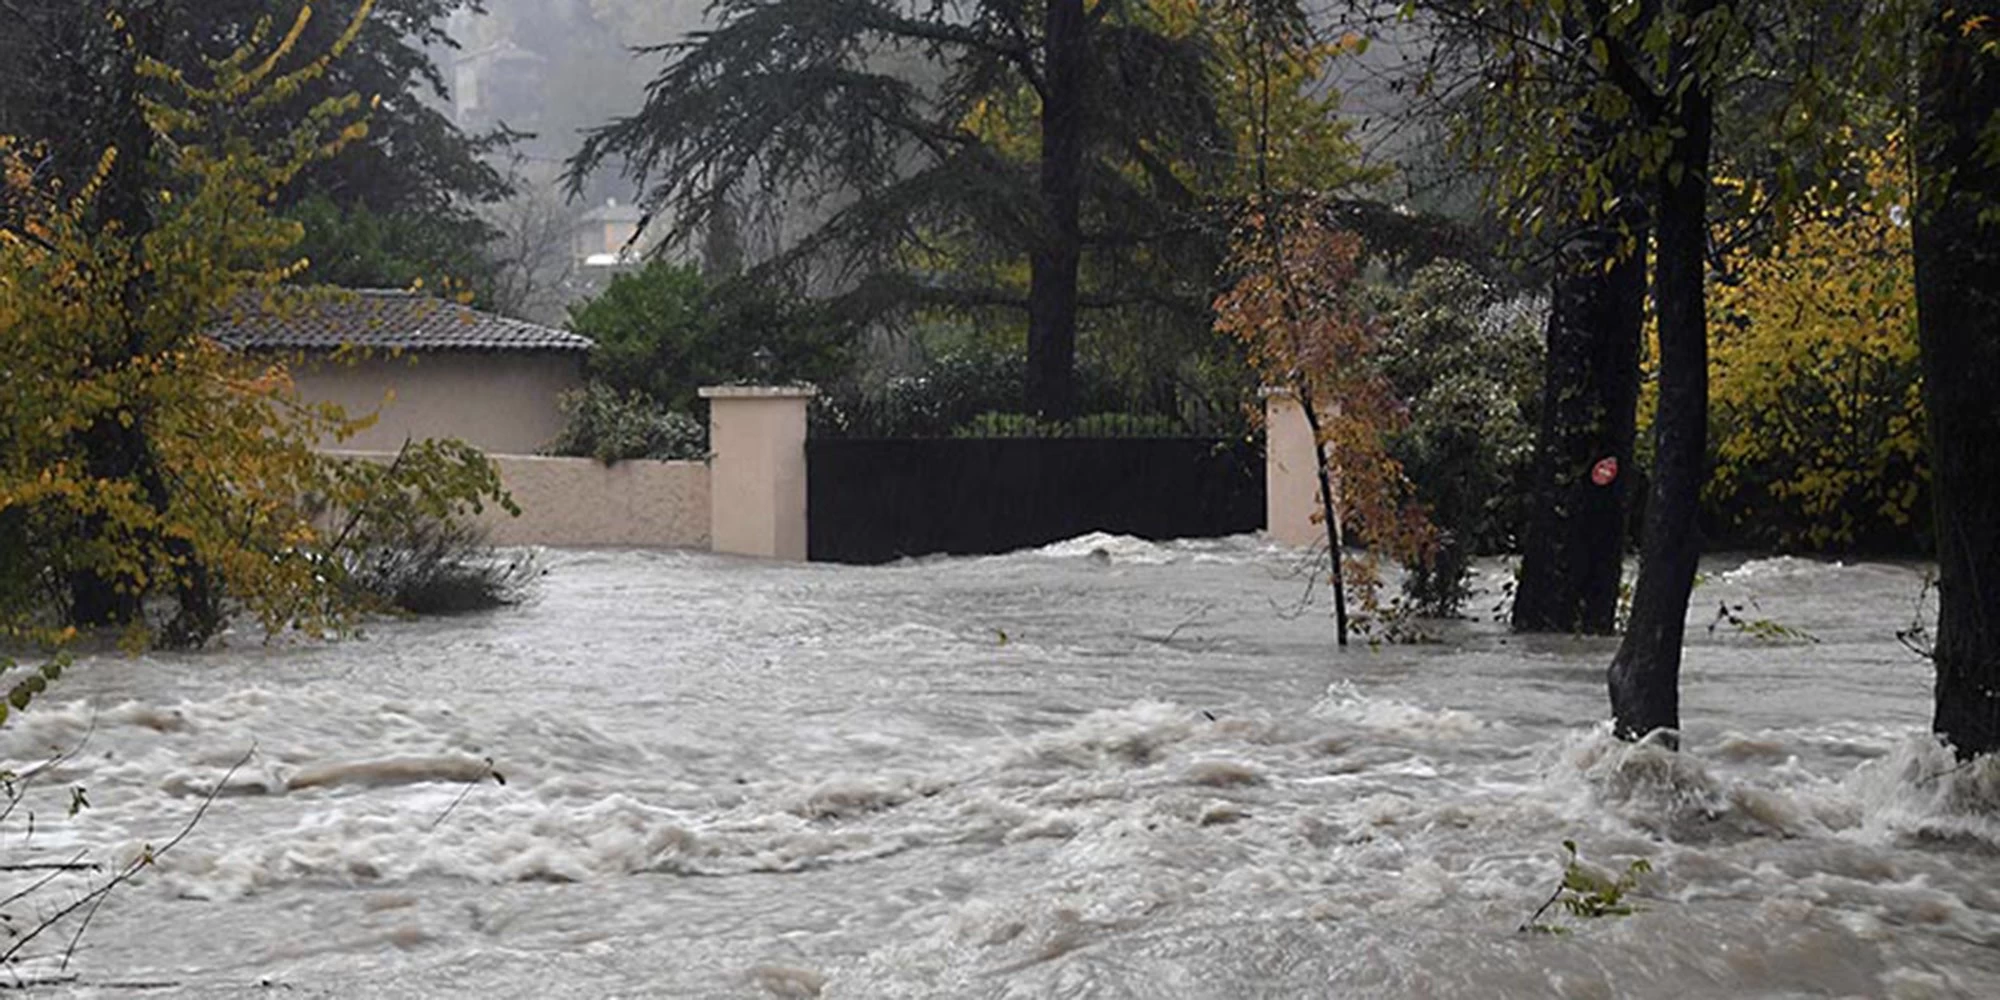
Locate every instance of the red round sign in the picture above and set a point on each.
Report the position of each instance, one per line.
(1605, 471)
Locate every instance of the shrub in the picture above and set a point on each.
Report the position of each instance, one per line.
(943, 392)
(967, 390)
(1467, 362)
(612, 427)
(666, 331)
(1816, 421)
(433, 566)
(1096, 425)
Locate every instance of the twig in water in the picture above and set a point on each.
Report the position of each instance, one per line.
(44, 880)
(1917, 638)
(147, 856)
(17, 784)
(1534, 922)
(1928, 778)
(1307, 567)
(1185, 622)
(497, 777)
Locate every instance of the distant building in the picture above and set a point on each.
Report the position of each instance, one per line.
(492, 78)
(434, 369)
(603, 236)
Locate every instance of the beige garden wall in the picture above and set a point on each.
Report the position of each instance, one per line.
(503, 403)
(582, 503)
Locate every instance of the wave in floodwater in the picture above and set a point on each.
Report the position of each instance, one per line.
(1104, 768)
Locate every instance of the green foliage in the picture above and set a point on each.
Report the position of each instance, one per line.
(1467, 362)
(1569, 108)
(400, 197)
(1761, 629)
(136, 455)
(434, 566)
(25, 690)
(1095, 425)
(993, 424)
(1586, 894)
(603, 424)
(666, 331)
(358, 247)
(951, 389)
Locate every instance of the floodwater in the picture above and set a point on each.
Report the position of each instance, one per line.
(1107, 768)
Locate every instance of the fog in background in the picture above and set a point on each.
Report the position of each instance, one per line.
(553, 69)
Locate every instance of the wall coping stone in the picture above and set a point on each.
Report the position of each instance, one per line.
(758, 391)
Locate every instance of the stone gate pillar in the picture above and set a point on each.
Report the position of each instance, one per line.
(757, 475)
(1291, 477)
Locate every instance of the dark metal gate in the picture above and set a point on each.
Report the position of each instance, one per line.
(872, 501)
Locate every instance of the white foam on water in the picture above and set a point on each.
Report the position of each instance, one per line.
(833, 782)
(1781, 567)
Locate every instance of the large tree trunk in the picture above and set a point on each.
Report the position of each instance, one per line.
(1957, 243)
(114, 445)
(1645, 674)
(1336, 546)
(1573, 550)
(1058, 250)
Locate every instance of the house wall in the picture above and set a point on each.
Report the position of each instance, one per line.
(503, 403)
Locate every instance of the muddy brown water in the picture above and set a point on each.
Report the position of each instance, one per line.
(1108, 768)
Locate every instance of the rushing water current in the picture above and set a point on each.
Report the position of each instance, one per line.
(1107, 768)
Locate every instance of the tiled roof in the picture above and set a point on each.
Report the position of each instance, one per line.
(386, 320)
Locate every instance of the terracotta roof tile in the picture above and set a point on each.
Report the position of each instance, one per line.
(387, 320)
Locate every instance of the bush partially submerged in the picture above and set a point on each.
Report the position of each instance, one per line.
(438, 567)
(612, 427)
(394, 549)
(1465, 358)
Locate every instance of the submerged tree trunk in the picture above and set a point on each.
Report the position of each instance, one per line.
(1058, 249)
(114, 445)
(1957, 244)
(1573, 550)
(1329, 512)
(1645, 674)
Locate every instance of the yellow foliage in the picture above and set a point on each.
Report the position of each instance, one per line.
(1814, 380)
(1271, 97)
(135, 450)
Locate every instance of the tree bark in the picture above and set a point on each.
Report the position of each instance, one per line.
(1957, 247)
(1573, 551)
(1058, 249)
(114, 445)
(1644, 677)
(1572, 554)
(1329, 510)
(117, 445)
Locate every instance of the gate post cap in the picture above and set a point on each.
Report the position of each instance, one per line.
(758, 391)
